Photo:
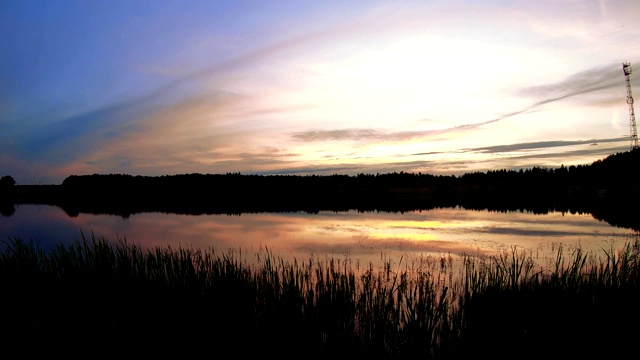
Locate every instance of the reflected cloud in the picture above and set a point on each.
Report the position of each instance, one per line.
(359, 236)
(532, 232)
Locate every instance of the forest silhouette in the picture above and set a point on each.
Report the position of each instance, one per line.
(609, 189)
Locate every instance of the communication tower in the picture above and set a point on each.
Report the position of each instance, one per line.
(626, 67)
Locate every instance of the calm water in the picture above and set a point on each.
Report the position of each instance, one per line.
(363, 237)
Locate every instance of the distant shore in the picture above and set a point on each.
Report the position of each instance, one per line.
(609, 189)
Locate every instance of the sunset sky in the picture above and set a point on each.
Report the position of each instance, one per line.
(311, 87)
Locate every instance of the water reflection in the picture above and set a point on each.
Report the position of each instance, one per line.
(360, 236)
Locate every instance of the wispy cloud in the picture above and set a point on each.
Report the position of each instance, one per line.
(570, 156)
(265, 96)
(540, 145)
(584, 82)
(60, 141)
(592, 80)
(339, 135)
(380, 135)
(101, 130)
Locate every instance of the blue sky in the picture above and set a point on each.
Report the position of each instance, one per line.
(307, 87)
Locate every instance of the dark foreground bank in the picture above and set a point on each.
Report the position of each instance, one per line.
(96, 298)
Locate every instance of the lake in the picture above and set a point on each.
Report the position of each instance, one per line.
(361, 237)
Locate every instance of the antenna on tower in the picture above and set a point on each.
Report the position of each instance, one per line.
(626, 67)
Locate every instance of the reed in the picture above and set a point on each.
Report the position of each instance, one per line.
(97, 292)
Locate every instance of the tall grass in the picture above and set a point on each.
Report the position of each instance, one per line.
(117, 296)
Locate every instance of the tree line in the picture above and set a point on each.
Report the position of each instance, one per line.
(609, 185)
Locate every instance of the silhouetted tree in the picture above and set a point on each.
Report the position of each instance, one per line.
(7, 182)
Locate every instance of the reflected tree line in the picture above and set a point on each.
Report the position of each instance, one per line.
(609, 189)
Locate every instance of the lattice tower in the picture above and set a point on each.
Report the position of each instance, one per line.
(626, 67)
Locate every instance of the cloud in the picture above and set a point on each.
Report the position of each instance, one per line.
(454, 165)
(45, 141)
(427, 153)
(540, 145)
(382, 136)
(137, 126)
(442, 166)
(342, 134)
(132, 122)
(90, 129)
(180, 126)
(592, 151)
(272, 161)
(588, 81)
(349, 169)
(585, 82)
(379, 135)
(359, 135)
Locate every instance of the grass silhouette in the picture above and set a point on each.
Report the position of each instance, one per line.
(111, 298)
